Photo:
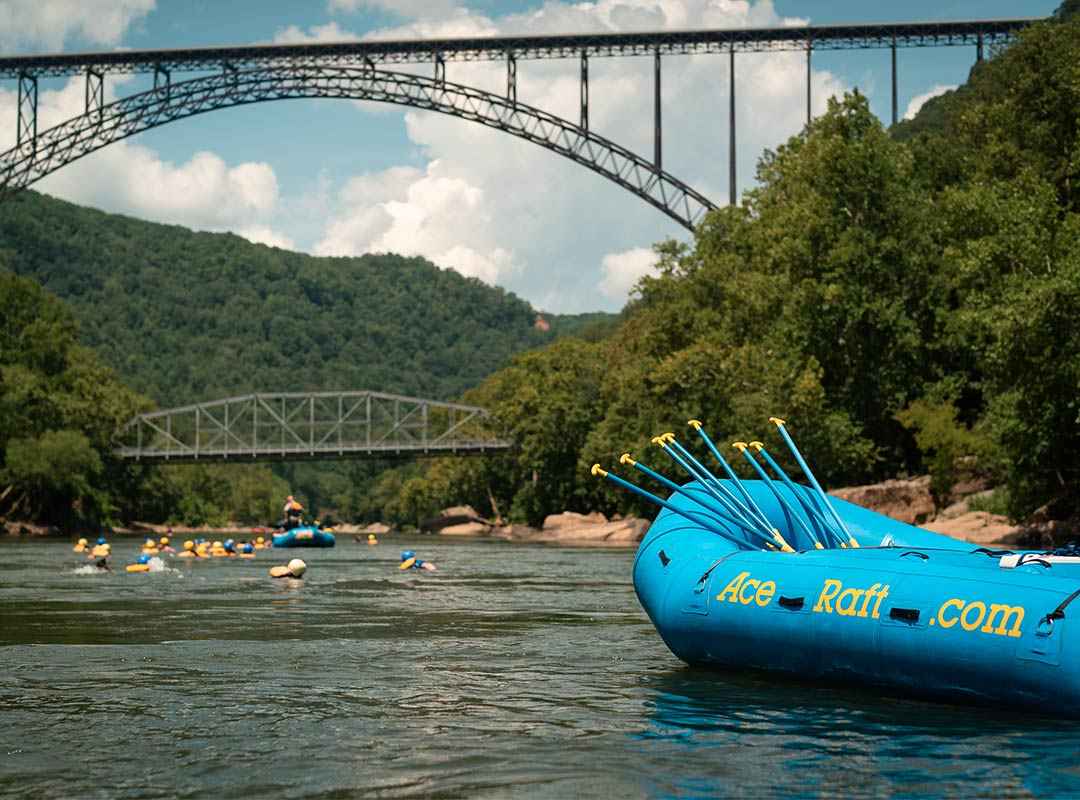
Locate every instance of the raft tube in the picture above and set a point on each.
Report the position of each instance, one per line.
(305, 536)
(908, 610)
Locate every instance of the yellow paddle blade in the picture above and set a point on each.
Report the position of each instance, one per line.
(408, 562)
(279, 571)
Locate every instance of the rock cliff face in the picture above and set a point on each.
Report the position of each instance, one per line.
(910, 501)
(904, 500)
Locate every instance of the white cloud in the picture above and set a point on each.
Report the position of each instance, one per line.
(330, 32)
(429, 213)
(203, 193)
(402, 8)
(918, 101)
(622, 270)
(47, 25)
(558, 234)
(262, 234)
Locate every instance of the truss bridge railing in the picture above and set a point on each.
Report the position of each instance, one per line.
(293, 426)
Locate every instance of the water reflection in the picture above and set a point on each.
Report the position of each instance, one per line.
(736, 733)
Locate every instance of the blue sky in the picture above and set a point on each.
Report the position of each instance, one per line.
(337, 177)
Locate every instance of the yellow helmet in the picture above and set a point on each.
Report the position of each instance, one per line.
(217, 545)
(149, 542)
(82, 542)
(164, 540)
(260, 540)
(189, 545)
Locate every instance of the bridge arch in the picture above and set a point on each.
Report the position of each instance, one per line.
(79, 136)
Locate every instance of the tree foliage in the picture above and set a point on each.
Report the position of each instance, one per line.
(907, 302)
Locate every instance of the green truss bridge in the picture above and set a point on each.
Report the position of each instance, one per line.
(310, 426)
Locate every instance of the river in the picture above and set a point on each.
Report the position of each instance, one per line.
(513, 671)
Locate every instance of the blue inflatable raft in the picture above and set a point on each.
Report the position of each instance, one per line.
(305, 536)
(841, 593)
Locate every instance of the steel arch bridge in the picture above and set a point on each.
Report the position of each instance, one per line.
(100, 126)
(294, 426)
(257, 73)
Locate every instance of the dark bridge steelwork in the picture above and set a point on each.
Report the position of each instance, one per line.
(101, 125)
(308, 426)
(264, 72)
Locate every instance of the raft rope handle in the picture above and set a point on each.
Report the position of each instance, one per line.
(986, 551)
(1042, 562)
(705, 575)
(1059, 612)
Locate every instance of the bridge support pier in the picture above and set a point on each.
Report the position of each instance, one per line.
(511, 78)
(894, 103)
(809, 75)
(657, 143)
(733, 192)
(584, 91)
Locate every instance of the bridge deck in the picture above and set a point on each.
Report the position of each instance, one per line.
(371, 52)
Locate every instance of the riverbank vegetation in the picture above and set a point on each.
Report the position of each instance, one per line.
(908, 299)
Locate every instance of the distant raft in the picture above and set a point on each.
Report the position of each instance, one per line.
(773, 575)
(306, 536)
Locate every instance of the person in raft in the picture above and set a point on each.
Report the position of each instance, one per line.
(293, 511)
(294, 569)
(410, 561)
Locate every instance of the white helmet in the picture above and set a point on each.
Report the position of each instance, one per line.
(297, 567)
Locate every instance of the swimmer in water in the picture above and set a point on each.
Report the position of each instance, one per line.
(294, 569)
(410, 561)
(81, 546)
(163, 545)
(247, 550)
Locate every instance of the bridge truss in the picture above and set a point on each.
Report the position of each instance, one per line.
(308, 426)
(229, 76)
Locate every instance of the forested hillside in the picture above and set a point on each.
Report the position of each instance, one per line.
(908, 302)
(186, 316)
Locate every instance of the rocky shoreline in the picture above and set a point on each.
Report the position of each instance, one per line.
(906, 500)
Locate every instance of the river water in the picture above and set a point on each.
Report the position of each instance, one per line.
(513, 671)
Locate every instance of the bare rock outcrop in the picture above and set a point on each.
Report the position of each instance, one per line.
(466, 529)
(907, 501)
(977, 527)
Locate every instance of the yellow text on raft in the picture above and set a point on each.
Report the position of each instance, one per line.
(974, 616)
(746, 590)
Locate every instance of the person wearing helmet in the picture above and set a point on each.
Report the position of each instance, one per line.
(188, 551)
(293, 513)
(81, 546)
(101, 550)
(294, 569)
(247, 550)
(163, 545)
(142, 565)
(410, 561)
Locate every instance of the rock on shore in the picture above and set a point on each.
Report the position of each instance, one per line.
(910, 501)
